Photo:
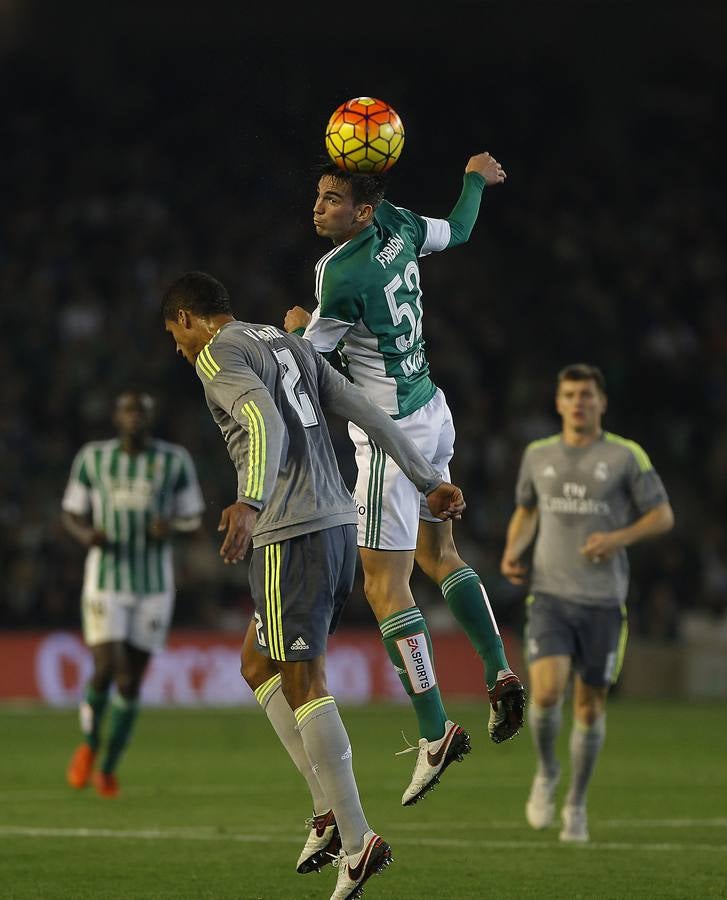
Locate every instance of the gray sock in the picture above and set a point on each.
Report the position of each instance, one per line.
(544, 723)
(329, 750)
(585, 745)
(270, 696)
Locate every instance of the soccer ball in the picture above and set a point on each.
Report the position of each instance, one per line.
(364, 135)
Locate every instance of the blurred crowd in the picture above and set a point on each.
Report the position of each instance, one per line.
(606, 245)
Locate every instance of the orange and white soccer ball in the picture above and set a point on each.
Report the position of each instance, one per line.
(365, 135)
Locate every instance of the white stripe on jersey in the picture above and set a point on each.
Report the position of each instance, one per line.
(321, 267)
(438, 236)
(124, 562)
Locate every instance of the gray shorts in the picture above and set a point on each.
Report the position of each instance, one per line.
(594, 637)
(299, 587)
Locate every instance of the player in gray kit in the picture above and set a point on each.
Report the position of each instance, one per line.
(589, 495)
(267, 391)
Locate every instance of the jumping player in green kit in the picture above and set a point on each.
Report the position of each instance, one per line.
(368, 289)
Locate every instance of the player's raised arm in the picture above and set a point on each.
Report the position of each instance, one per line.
(488, 167)
(481, 170)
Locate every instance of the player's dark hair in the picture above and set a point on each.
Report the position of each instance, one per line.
(132, 390)
(365, 188)
(198, 293)
(582, 372)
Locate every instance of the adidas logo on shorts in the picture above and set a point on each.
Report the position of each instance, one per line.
(299, 644)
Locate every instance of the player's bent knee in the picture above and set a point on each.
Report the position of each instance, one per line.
(440, 566)
(101, 679)
(303, 681)
(387, 595)
(546, 697)
(128, 687)
(256, 670)
(588, 714)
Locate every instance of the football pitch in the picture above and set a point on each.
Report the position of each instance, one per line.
(212, 809)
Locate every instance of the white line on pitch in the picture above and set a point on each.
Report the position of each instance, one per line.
(602, 823)
(209, 834)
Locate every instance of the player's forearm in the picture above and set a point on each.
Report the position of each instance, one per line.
(79, 528)
(257, 471)
(656, 521)
(520, 532)
(353, 404)
(464, 214)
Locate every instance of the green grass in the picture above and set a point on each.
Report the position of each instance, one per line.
(211, 809)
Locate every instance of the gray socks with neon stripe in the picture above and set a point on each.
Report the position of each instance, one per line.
(270, 696)
(329, 751)
(585, 745)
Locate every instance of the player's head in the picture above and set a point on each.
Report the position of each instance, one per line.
(193, 308)
(346, 202)
(133, 413)
(580, 397)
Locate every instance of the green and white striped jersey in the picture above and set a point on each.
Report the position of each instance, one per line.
(369, 296)
(123, 493)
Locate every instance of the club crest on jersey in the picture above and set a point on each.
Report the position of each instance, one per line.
(549, 472)
(600, 473)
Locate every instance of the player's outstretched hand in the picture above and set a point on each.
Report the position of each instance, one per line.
(488, 167)
(446, 501)
(238, 521)
(296, 317)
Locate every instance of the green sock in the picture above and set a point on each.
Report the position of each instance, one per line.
(409, 646)
(91, 713)
(466, 597)
(123, 716)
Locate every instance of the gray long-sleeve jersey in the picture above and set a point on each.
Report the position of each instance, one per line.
(579, 490)
(267, 391)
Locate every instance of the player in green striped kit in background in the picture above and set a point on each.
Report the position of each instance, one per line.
(124, 500)
(370, 301)
(588, 494)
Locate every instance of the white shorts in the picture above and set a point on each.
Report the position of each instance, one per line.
(142, 620)
(389, 505)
